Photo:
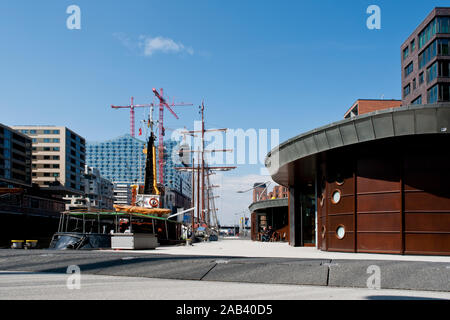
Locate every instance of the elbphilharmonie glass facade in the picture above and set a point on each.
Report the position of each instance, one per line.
(122, 160)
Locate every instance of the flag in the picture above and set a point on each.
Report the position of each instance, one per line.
(140, 131)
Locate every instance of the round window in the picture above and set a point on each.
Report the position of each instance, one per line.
(340, 232)
(336, 197)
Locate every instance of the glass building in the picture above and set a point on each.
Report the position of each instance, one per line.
(122, 160)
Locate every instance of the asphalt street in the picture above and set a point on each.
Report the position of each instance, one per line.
(37, 286)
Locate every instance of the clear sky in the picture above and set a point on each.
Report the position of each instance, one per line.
(287, 65)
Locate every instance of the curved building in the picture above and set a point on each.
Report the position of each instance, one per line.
(272, 213)
(378, 182)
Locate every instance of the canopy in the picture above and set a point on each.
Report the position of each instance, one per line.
(95, 214)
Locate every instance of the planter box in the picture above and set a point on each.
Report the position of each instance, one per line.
(134, 241)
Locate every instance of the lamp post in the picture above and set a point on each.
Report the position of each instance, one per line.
(259, 185)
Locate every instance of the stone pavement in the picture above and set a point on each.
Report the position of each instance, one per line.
(212, 262)
(247, 248)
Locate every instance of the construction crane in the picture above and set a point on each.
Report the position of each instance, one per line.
(131, 107)
(162, 104)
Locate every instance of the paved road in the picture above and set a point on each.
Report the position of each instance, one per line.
(30, 286)
(409, 275)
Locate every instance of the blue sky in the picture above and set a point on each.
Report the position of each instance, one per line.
(287, 65)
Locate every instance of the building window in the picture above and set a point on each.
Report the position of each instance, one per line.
(444, 68)
(49, 132)
(428, 54)
(336, 197)
(409, 69)
(340, 232)
(442, 47)
(414, 84)
(46, 140)
(444, 92)
(432, 72)
(57, 131)
(55, 140)
(413, 45)
(421, 78)
(432, 94)
(406, 90)
(417, 100)
(405, 53)
(443, 24)
(427, 34)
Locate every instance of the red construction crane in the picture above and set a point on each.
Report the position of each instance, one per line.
(162, 104)
(131, 107)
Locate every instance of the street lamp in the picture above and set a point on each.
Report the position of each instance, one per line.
(254, 187)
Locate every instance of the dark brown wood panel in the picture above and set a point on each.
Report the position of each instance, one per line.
(343, 220)
(427, 222)
(424, 201)
(344, 245)
(417, 243)
(346, 186)
(346, 205)
(383, 242)
(379, 222)
(369, 185)
(379, 202)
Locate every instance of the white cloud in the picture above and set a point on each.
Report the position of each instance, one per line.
(160, 44)
(148, 46)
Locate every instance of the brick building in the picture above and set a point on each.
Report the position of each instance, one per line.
(425, 60)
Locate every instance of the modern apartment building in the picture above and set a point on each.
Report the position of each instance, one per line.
(425, 60)
(98, 192)
(58, 158)
(15, 158)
